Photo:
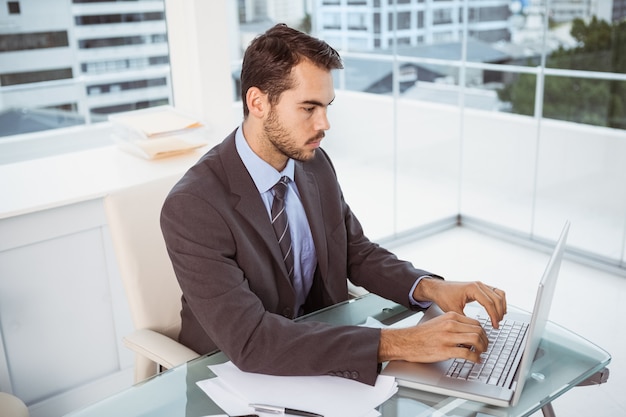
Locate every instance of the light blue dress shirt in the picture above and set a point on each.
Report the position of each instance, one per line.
(265, 177)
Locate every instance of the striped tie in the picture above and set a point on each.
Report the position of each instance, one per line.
(281, 224)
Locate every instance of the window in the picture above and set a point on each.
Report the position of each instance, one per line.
(33, 40)
(404, 20)
(116, 65)
(85, 76)
(121, 41)
(14, 7)
(35, 76)
(570, 113)
(331, 21)
(124, 86)
(118, 18)
(488, 14)
(442, 16)
(357, 21)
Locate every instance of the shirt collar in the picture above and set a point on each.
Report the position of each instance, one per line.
(263, 174)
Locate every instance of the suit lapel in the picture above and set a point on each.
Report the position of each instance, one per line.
(311, 200)
(251, 207)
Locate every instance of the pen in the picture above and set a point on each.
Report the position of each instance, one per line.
(273, 409)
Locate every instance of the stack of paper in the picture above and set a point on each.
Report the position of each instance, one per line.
(234, 391)
(157, 132)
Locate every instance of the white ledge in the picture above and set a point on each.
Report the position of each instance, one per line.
(55, 181)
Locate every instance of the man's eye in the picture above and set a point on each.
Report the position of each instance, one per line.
(309, 109)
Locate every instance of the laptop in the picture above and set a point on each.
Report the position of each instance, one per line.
(479, 382)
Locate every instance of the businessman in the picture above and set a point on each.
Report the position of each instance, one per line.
(259, 233)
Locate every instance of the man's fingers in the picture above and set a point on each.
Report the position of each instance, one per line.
(472, 345)
(494, 301)
(466, 332)
(462, 352)
(503, 304)
(500, 296)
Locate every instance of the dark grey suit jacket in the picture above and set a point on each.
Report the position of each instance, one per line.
(236, 293)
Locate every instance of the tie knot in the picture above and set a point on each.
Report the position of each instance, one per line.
(280, 188)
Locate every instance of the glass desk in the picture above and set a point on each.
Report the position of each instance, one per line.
(567, 360)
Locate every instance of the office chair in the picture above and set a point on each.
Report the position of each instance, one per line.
(11, 406)
(149, 282)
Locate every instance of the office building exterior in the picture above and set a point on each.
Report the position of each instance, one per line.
(290, 12)
(618, 10)
(568, 10)
(82, 59)
(377, 24)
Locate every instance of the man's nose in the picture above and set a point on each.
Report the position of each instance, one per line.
(322, 122)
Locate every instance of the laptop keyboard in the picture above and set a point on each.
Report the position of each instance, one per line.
(497, 361)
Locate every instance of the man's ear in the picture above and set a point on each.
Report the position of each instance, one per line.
(257, 102)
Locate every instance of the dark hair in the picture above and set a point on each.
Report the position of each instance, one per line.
(268, 61)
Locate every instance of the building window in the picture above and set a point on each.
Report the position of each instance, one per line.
(14, 7)
(118, 18)
(404, 20)
(101, 67)
(332, 21)
(36, 40)
(106, 1)
(35, 76)
(442, 17)
(357, 21)
(124, 86)
(488, 14)
(121, 41)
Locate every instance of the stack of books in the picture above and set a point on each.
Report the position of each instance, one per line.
(158, 132)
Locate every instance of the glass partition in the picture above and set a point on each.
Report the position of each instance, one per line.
(510, 113)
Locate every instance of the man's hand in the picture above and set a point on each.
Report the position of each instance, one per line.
(450, 335)
(453, 296)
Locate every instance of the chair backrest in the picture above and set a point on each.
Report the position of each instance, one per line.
(11, 406)
(153, 293)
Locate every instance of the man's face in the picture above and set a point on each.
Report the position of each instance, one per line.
(295, 126)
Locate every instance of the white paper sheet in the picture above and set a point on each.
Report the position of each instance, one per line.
(330, 396)
(224, 397)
